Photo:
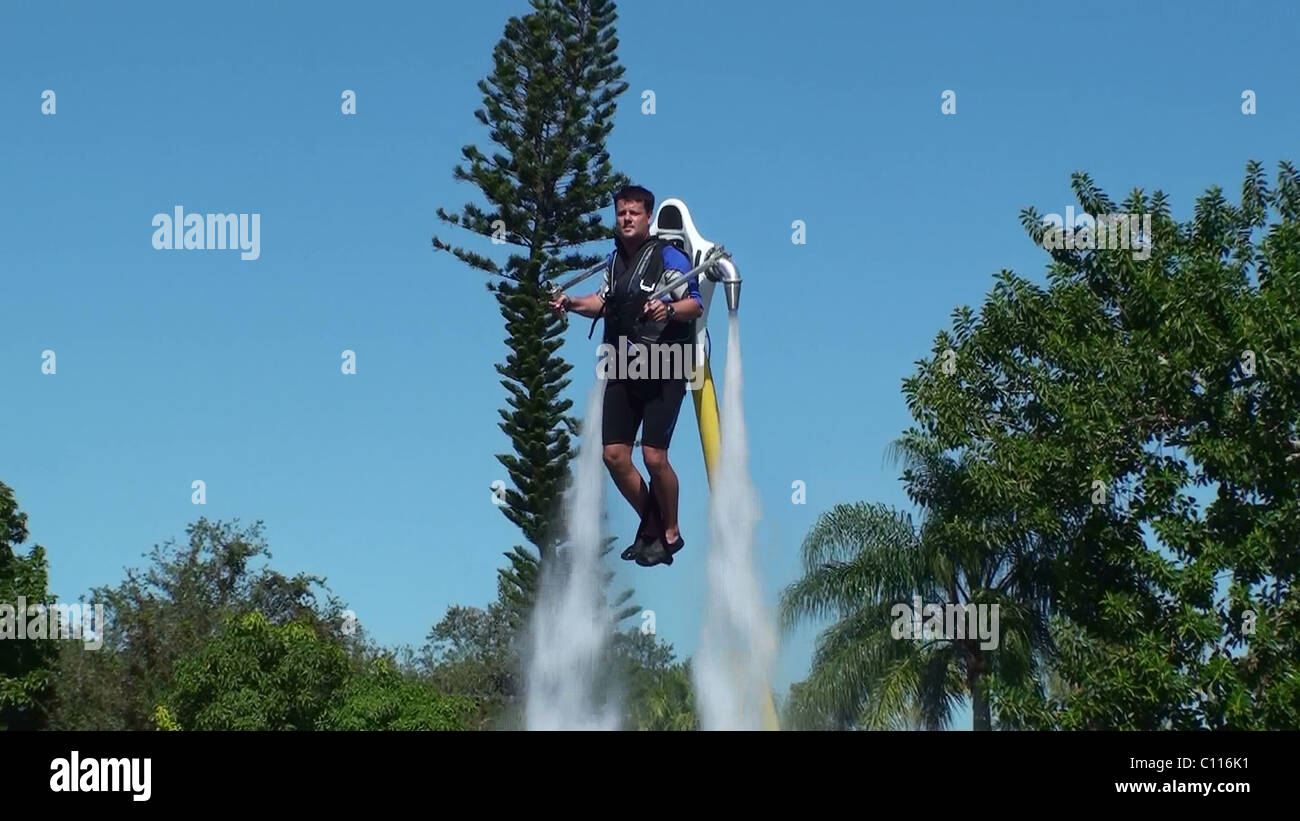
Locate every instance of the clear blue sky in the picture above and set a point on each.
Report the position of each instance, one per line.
(176, 366)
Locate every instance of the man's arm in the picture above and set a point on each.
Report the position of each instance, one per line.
(590, 306)
(689, 306)
(684, 309)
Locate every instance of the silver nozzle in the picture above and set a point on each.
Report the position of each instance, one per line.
(733, 295)
(730, 279)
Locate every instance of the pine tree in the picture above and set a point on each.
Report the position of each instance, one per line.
(548, 105)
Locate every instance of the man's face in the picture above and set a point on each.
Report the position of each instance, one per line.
(632, 219)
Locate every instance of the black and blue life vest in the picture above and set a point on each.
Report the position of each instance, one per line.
(630, 283)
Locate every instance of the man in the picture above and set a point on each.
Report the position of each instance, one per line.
(637, 267)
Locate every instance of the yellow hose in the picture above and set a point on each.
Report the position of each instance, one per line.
(706, 411)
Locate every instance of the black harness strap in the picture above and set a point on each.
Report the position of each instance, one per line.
(651, 247)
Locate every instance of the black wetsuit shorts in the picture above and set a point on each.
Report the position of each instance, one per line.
(630, 402)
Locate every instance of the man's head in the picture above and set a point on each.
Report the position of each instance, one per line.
(633, 207)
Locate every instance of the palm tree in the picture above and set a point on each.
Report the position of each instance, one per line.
(669, 702)
(862, 561)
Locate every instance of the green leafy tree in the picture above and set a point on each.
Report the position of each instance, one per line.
(175, 607)
(669, 704)
(383, 698)
(1136, 421)
(549, 106)
(657, 689)
(473, 652)
(27, 666)
(256, 675)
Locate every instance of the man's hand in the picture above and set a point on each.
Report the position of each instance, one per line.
(589, 306)
(655, 310)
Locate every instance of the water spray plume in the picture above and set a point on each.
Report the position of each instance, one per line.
(737, 641)
(571, 627)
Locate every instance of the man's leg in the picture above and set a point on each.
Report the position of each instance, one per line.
(618, 458)
(664, 480)
(661, 412)
(622, 417)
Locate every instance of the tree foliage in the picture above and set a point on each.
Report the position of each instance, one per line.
(1113, 456)
(26, 666)
(173, 608)
(657, 689)
(863, 561)
(256, 675)
(1136, 421)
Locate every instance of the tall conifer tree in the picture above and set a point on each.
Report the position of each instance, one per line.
(549, 105)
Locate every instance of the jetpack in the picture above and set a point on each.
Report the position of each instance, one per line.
(713, 265)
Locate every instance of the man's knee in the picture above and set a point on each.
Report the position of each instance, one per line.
(656, 459)
(617, 456)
